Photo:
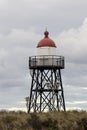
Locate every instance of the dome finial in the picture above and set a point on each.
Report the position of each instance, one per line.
(46, 33)
(46, 41)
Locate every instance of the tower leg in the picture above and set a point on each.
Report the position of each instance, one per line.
(62, 101)
(32, 83)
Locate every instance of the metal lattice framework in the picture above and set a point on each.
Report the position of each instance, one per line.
(46, 92)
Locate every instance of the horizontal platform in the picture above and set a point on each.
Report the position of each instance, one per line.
(46, 62)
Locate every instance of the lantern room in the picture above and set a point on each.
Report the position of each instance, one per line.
(46, 46)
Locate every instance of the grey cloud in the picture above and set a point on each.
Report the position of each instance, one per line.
(73, 42)
(73, 45)
(56, 14)
(75, 97)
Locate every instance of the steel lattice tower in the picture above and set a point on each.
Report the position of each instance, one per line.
(46, 92)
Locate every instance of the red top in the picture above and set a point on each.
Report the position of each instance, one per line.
(46, 41)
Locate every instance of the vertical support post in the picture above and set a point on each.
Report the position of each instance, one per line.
(62, 90)
(41, 90)
(37, 74)
(55, 75)
(31, 90)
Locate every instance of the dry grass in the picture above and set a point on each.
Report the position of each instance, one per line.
(70, 120)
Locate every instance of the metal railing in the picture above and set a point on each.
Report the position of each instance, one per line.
(46, 61)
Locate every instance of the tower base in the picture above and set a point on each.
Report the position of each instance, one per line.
(46, 91)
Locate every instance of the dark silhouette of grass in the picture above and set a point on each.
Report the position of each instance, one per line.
(70, 120)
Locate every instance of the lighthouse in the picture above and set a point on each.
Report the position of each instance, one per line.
(46, 93)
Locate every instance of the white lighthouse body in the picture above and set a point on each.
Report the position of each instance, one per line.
(46, 46)
(46, 51)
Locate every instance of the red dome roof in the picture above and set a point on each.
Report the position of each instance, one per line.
(46, 41)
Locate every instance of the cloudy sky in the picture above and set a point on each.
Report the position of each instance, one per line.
(22, 23)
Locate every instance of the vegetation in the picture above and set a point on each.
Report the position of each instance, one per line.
(70, 120)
